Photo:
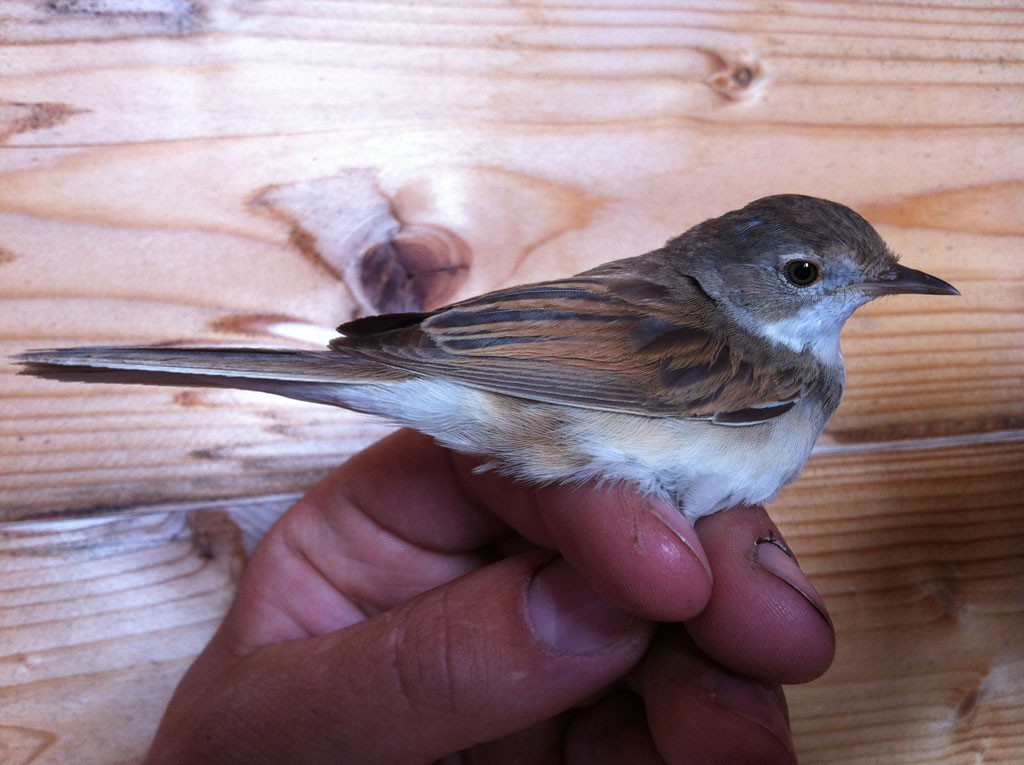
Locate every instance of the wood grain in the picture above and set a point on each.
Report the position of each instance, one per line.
(214, 170)
(918, 557)
(98, 619)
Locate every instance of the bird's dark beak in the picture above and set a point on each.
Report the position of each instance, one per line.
(900, 280)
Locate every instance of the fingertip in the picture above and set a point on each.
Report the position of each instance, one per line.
(569, 617)
(678, 525)
(773, 555)
(614, 730)
(765, 619)
(635, 550)
(700, 712)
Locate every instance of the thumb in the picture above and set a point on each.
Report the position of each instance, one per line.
(484, 656)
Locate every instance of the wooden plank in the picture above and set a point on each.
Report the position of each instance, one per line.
(213, 171)
(918, 554)
(98, 620)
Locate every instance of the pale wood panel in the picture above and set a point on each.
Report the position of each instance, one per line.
(917, 553)
(98, 620)
(210, 171)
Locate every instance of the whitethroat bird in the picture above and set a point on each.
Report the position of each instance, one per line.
(703, 371)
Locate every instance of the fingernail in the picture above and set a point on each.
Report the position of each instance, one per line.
(672, 519)
(569, 616)
(761, 704)
(774, 556)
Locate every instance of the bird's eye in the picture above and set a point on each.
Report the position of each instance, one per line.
(802, 272)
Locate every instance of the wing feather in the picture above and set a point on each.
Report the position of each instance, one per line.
(602, 341)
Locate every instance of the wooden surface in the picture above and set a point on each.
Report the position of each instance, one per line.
(216, 171)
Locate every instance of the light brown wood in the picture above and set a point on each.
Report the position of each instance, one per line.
(211, 171)
(98, 619)
(917, 554)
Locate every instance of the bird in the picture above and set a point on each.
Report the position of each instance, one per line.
(703, 371)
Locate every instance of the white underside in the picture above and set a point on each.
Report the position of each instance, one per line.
(701, 466)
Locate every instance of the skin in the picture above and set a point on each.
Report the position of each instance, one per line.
(407, 610)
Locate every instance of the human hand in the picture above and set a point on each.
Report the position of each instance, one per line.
(407, 609)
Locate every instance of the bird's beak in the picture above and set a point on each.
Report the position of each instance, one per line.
(900, 280)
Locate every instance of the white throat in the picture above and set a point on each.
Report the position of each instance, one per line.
(815, 328)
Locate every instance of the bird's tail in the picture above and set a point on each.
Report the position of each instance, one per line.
(304, 375)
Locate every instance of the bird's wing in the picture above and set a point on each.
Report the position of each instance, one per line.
(613, 342)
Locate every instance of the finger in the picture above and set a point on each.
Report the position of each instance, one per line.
(495, 652)
(765, 619)
(408, 486)
(699, 712)
(387, 525)
(613, 731)
(541, 744)
(637, 550)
